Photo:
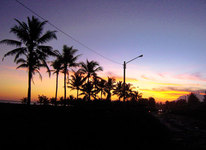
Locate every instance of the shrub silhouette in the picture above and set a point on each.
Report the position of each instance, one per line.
(192, 99)
(43, 100)
(24, 100)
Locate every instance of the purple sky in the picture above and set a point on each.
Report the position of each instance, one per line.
(170, 34)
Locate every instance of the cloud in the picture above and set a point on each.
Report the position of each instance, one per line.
(162, 75)
(118, 78)
(193, 76)
(166, 83)
(180, 89)
(166, 76)
(155, 75)
(147, 78)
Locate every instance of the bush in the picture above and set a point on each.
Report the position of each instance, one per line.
(43, 100)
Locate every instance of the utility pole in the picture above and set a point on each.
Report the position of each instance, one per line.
(124, 86)
(124, 75)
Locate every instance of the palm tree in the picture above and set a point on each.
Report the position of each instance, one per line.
(109, 86)
(90, 68)
(30, 53)
(118, 90)
(68, 59)
(88, 90)
(76, 81)
(128, 90)
(101, 86)
(135, 95)
(57, 66)
(95, 80)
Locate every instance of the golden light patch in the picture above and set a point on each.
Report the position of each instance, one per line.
(163, 95)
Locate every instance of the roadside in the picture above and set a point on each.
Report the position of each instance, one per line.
(187, 133)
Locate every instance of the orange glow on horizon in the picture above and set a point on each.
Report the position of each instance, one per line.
(163, 96)
(13, 86)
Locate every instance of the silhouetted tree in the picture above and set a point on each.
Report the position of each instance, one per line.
(95, 80)
(151, 104)
(101, 87)
(181, 103)
(135, 95)
(57, 66)
(90, 69)
(118, 90)
(128, 90)
(109, 86)
(62, 100)
(43, 100)
(24, 100)
(53, 101)
(30, 53)
(68, 59)
(70, 99)
(204, 99)
(143, 101)
(76, 81)
(87, 90)
(192, 99)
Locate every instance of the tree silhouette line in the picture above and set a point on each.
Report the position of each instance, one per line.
(30, 53)
(187, 105)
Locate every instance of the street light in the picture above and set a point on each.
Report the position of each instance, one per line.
(124, 68)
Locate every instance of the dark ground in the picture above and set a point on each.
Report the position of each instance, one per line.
(84, 126)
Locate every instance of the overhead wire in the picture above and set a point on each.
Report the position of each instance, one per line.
(68, 35)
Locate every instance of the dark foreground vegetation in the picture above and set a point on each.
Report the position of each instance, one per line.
(89, 125)
(186, 119)
(192, 107)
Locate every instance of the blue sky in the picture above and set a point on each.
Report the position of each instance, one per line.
(169, 33)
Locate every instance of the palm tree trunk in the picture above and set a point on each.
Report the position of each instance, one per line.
(101, 94)
(56, 89)
(68, 78)
(88, 84)
(77, 93)
(29, 87)
(109, 96)
(65, 77)
(89, 95)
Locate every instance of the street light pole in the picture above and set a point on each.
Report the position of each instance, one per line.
(124, 74)
(124, 86)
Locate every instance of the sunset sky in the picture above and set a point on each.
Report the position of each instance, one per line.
(171, 35)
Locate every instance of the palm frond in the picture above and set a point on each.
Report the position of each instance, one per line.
(22, 66)
(21, 60)
(48, 50)
(40, 76)
(44, 64)
(49, 35)
(11, 42)
(22, 51)
(21, 31)
(17, 51)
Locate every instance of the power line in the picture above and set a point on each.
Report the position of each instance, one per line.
(68, 35)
